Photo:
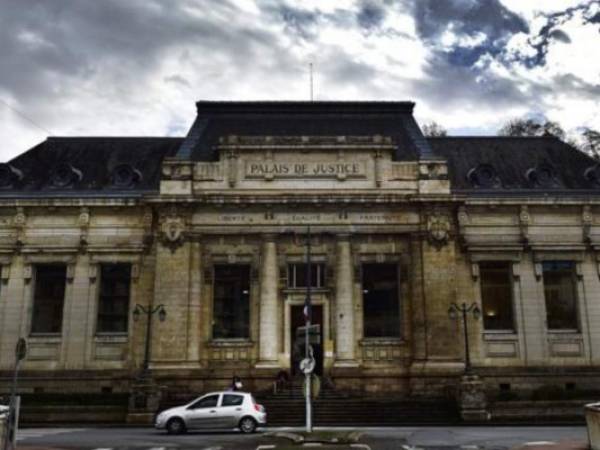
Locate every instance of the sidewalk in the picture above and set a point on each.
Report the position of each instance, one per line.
(560, 445)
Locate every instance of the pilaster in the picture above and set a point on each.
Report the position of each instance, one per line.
(344, 305)
(269, 318)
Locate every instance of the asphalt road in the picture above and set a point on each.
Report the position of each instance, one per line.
(428, 438)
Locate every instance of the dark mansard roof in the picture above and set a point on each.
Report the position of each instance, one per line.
(128, 166)
(105, 166)
(512, 165)
(335, 118)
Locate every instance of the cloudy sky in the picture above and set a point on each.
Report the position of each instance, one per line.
(136, 67)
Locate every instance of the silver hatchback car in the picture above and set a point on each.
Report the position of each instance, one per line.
(217, 410)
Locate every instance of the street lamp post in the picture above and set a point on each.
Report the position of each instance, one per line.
(453, 311)
(149, 312)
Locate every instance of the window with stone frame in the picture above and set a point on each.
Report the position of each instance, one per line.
(297, 273)
(381, 300)
(231, 301)
(48, 298)
(560, 293)
(495, 279)
(113, 298)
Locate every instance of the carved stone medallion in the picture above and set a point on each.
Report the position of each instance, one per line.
(438, 229)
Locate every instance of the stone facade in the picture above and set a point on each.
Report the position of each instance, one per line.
(252, 204)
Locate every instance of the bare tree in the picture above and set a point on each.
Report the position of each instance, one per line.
(530, 127)
(434, 129)
(591, 142)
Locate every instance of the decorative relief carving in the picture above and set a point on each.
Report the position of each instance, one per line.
(208, 172)
(93, 272)
(232, 160)
(438, 229)
(283, 141)
(83, 221)
(404, 171)
(587, 219)
(20, 222)
(378, 169)
(173, 229)
(524, 222)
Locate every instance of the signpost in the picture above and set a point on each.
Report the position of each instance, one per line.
(307, 365)
(13, 412)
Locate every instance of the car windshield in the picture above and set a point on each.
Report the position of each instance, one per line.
(209, 401)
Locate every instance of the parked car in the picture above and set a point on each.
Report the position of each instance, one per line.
(217, 410)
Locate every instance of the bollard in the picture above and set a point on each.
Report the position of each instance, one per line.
(592, 419)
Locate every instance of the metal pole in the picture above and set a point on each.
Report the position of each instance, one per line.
(307, 376)
(464, 310)
(11, 429)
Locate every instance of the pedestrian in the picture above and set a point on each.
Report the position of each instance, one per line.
(236, 384)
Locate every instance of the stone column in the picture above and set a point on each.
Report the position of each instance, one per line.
(268, 341)
(344, 305)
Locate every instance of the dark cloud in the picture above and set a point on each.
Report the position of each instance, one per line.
(299, 21)
(488, 21)
(455, 88)
(550, 31)
(177, 79)
(50, 46)
(370, 14)
(560, 35)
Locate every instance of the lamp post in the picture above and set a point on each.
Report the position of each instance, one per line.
(149, 312)
(453, 311)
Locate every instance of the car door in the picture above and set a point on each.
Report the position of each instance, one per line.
(231, 409)
(203, 412)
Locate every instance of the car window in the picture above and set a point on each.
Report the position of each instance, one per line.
(210, 401)
(232, 400)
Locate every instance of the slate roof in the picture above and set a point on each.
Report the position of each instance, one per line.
(130, 166)
(516, 164)
(87, 165)
(335, 118)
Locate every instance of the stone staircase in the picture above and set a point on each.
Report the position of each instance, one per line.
(287, 408)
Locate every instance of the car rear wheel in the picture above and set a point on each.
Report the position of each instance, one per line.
(248, 425)
(175, 426)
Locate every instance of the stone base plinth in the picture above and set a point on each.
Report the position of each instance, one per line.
(144, 401)
(472, 400)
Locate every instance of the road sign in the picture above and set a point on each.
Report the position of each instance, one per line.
(307, 365)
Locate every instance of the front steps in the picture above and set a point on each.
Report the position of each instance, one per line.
(287, 408)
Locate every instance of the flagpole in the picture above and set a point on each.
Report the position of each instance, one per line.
(307, 316)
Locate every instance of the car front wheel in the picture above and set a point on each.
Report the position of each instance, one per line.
(248, 425)
(175, 426)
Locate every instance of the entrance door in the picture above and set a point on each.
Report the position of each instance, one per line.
(298, 350)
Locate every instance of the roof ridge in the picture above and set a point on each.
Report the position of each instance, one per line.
(491, 137)
(51, 138)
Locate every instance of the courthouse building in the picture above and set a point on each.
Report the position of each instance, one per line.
(213, 227)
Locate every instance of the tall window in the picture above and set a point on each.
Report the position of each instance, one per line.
(381, 306)
(560, 295)
(48, 298)
(297, 275)
(496, 295)
(231, 304)
(113, 302)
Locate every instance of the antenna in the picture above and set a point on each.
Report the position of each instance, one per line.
(310, 65)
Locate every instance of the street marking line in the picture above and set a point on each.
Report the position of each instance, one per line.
(534, 443)
(264, 447)
(312, 444)
(157, 448)
(365, 446)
